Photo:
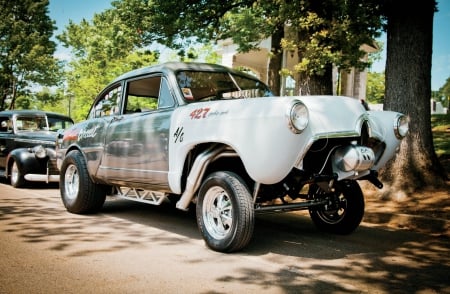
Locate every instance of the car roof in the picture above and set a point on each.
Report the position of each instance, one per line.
(177, 66)
(33, 112)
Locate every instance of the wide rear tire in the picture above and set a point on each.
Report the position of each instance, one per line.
(78, 193)
(225, 213)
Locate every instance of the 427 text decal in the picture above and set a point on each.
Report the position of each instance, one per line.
(199, 113)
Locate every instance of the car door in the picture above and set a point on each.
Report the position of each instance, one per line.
(90, 134)
(136, 144)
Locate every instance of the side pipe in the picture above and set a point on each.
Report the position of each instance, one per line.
(292, 206)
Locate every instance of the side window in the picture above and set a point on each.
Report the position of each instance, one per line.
(108, 104)
(56, 124)
(5, 124)
(142, 94)
(147, 94)
(165, 96)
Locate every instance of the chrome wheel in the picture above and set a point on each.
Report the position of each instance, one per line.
(78, 192)
(16, 177)
(71, 182)
(225, 214)
(217, 212)
(14, 173)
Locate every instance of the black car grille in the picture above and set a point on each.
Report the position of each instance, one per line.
(52, 169)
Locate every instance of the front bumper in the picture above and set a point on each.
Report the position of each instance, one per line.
(51, 174)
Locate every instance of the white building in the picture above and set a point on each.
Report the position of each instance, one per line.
(352, 83)
(437, 108)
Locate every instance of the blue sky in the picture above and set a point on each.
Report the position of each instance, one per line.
(64, 10)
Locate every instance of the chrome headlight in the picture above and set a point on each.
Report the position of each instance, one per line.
(401, 126)
(298, 117)
(39, 151)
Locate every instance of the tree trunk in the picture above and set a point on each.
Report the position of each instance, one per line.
(408, 90)
(315, 84)
(312, 84)
(275, 62)
(13, 96)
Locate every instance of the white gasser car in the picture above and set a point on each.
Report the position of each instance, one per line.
(209, 136)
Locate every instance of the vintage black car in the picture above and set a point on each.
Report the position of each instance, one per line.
(27, 145)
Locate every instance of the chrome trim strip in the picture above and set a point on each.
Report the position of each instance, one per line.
(134, 170)
(34, 141)
(41, 178)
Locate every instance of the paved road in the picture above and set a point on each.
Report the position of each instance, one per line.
(136, 248)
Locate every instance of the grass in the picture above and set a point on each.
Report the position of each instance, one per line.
(441, 134)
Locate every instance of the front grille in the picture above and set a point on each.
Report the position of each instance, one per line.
(51, 166)
(317, 158)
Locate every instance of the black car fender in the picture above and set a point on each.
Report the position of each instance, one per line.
(27, 162)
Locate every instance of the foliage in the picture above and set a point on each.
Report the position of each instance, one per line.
(376, 55)
(441, 128)
(49, 99)
(26, 55)
(334, 32)
(375, 87)
(440, 121)
(322, 32)
(444, 94)
(89, 76)
(103, 49)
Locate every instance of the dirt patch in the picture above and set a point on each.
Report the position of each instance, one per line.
(426, 211)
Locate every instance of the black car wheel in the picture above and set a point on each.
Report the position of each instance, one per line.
(344, 210)
(16, 176)
(225, 213)
(79, 194)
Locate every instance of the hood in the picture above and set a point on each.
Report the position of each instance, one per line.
(27, 139)
(337, 115)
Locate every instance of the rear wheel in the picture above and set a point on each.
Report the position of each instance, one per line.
(344, 211)
(16, 177)
(78, 193)
(225, 213)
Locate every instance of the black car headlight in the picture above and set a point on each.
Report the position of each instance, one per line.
(39, 151)
(298, 117)
(401, 126)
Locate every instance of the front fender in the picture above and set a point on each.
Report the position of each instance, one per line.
(382, 125)
(256, 129)
(27, 162)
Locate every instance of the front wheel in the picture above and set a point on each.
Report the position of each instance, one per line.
(17, 177)
(78, 193)
(225, 213)
(344, 211)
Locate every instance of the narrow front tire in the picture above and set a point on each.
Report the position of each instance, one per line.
(225, 213)
(16, 176)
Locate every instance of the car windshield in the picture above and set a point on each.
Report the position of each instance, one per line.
(41, 123)
(204, 86)
(31, 123)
